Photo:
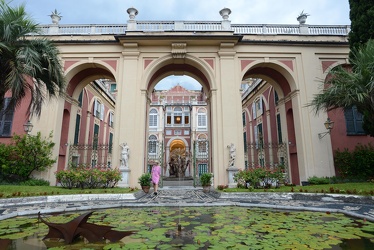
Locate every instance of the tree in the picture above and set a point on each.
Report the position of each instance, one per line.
(362, 24)
(27, 64)
(353, 86)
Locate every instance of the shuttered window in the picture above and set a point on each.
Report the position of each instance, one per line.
(353, 121)
(77, 129)
(6, 119)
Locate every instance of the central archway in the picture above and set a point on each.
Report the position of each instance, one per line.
(175, 116)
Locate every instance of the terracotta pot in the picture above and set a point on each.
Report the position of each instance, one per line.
(206, 189)
(146, 189)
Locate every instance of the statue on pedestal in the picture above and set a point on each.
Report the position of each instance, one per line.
(125, 153)
(232, 151)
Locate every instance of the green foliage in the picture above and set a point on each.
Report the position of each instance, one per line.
(318, 180)
(206, 179)
(356, 164)
(26, 154)
(208, 228)
(35, 182)
(88, 178)
(259, 177)
(145, 179)
(362, 25)
(24, 59)
(33, 153)
(351, 87)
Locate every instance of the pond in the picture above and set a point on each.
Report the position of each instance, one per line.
(202, 228)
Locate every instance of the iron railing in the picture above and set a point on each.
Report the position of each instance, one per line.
(90, 155)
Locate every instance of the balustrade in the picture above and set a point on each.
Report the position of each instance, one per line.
(152, 26)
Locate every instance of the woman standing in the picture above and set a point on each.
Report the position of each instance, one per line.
(156, 173)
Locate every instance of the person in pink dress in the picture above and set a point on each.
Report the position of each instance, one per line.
(156, 173)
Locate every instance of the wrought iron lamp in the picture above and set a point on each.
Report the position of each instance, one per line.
(328, 125)
(28, 127)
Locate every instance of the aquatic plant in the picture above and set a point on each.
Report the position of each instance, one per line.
(210, 227)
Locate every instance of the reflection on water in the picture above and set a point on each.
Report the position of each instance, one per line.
(201, 228)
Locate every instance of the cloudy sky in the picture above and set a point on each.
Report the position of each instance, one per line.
(326, 12)
(243, 11)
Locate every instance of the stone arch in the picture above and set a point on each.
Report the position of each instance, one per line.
(80, 74)
(282, 80)
(167, 65)
(280, 77)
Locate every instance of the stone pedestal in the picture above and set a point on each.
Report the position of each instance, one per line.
(231, 171)
(125, 174)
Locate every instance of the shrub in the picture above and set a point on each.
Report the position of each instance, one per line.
(318, 180)
(26, 154)
(259, 177)
(206, 179)
(35, 182)
(88, 178)
(145, 179)
(358, 164)
(222, 187)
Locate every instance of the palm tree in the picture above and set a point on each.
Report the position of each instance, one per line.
(351, 87)
(28, 64)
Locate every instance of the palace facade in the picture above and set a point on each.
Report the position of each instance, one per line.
(256, 83)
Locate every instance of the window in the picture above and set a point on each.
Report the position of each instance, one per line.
(77, 129)
(168, 118)
(113, 87)
(243, 118)
(80, 99)
(276, 98)
(6, 119)
(98, 109)
(111, 119)
(186, 118)
(259, 110)
(259, 139)
(279, 128)
(245, 141)
(152, 144)
(96, 136)
(177, 116)
(110, 143)
(202, 145)
(203, 168)
(153, 121)
(201, 118)
(353, 121)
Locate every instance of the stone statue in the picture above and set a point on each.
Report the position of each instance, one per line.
(125, 153)
(232, 150)
(178, 162)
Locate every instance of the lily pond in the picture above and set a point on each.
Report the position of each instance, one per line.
(200, 228)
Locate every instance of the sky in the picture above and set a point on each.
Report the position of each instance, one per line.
(322, 12)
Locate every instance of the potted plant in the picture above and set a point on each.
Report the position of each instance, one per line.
(206, 181)
(145, 182)
(56, 16)
(302, 17)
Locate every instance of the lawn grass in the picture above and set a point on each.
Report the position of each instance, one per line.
(359, 188)
(14, 191)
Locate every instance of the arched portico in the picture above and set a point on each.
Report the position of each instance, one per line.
(219, 59)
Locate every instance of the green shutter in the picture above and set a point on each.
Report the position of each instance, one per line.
(77, 128)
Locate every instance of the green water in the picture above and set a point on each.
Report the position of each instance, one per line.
(202, 228)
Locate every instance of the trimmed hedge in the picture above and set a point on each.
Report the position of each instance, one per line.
(88, 178)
